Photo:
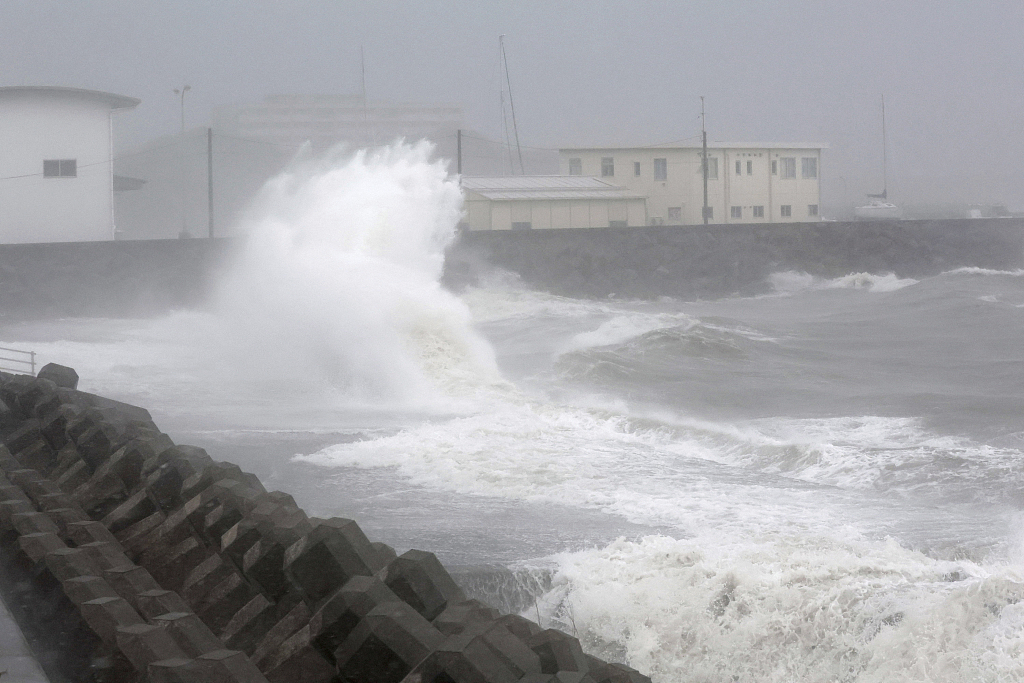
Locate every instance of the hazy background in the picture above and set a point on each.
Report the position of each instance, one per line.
(585, 73)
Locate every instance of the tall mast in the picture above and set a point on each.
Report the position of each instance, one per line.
(704, 158)
(885, 164)
(511, 102)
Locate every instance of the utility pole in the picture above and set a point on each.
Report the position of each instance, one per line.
(184, 175)
(209, 175)
(458, 154)
(512, 105)
(704, 158)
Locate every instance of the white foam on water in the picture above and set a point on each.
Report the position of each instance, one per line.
(973, 270)
(623, 328)
(782, 608)
(793, 282)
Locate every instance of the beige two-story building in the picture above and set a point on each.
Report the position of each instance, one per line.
(747, 183)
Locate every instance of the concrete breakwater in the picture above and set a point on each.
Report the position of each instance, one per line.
(117, 279)
(698, 261)
(127, 557)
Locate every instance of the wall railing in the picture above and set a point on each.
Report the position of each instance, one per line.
(20, 363)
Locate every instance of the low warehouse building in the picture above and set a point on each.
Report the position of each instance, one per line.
(545, 202)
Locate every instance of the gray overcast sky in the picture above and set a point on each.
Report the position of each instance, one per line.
(585, 72)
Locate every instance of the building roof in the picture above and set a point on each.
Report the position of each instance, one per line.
(711, 145)
(110, 99)
(545, 187)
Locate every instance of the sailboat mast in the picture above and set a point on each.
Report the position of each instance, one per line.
(885, 161)
(511, 102)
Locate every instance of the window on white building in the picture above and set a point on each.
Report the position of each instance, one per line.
(675, 215)
(636, 168)
(712, 168)
(750, 168)
(788, 167)
(736, 212)
(739, 167)
(787, 210)
(575, 167)
(775, 167)
(809, 167)
(812, 209)
(661, 169)
(60, 168)
(607, 167)
(709, 213)
(758, 212)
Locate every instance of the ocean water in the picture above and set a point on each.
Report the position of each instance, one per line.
(824, 483)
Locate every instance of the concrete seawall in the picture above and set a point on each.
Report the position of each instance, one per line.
(718, 260)
(128, 558)
(148, 277)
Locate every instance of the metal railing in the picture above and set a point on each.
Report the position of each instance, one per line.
(26, 362)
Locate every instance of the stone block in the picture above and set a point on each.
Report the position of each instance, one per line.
(461, 615)
(232, 666)
(208, 574)
(61, 375)
(75, 476)
(292, 620)
(514, 654)
(214, 472)
(98, 443)
(558, 651)
(135, 539)
(54, 501)
(296, 660)
(37, 456)
(99, 495)
(178, 670)
(68, 563)
(250, 624)
(224, 601)
(418, 578)
(23, 477)
(84, 588)
(616, 673)
(385, 552)
(340, 613)
(38, 488)
(170, 566)
(107, 555)
(523, 628)
(89, 531)
(189, 632)
(33, 523)
(66, 516)
(105, 615)
(126, 464)
(54, 427)
(130, 581)
(9, 491)
(37, 546)
(153, 603)
(131, 511)
(326, 558)
(144, 644)
(10, 508)
(386, 645)
(25, 435)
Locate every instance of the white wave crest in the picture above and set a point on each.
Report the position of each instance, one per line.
(793, 282)
(971, 270)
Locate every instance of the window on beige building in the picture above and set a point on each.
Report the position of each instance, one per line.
(809, 167)
(607, 167)
(788, 167)
(709, 213)
(758, 212)
(812, 209)
(739, 167)
(736, 212)
(750, 168)
(575, 167)
(60, 168)
(786, 210)
(775, 167)
(712, 168)
(661, 169)
(636, 168)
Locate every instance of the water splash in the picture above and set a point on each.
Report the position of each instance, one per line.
(338, 281)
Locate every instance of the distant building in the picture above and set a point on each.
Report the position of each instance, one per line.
(56, 172)
(544, 202)
(326, 120)
(747, 183)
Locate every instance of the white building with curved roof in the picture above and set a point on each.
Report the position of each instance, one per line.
(56, 163)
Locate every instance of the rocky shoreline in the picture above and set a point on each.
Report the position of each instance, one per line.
(128, 558)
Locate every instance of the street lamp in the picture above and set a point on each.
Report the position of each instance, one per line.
(184, 214)
(182, 91)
